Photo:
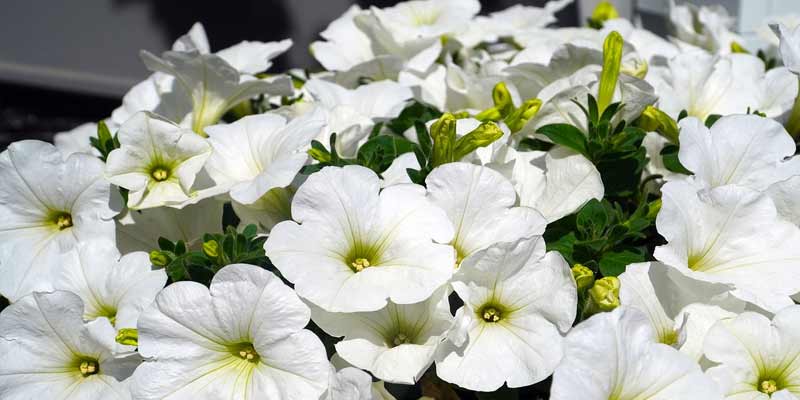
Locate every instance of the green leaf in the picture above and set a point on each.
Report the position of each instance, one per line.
(711, 119)
(166, 244)
(250, 231)
(669, 156)
(567, 136)
(592, 217)
(379, 152)
(613, 263)
(416, 112)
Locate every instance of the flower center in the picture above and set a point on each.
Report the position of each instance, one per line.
(401, 338)
(89, 367)
(247, 352)
(491, 314)
(359, 264)
(768, 386)
(63, 220)
(160, 174)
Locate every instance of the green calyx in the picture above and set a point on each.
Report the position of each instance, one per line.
(604, 295)
(612, 61)
(603, 12)
(584, 277)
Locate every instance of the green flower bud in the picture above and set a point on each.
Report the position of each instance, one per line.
(482, 136)
(443, 133)
(653, 119)
(653, 208)
(520, 117)
(584, 277)
(604, 295)
(211, 248)
(128, 337)
(489, 114)
(612, 60)
(159, 258)
(603, 12)
(319, 154)
(502, 98)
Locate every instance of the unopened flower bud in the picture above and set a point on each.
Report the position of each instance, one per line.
(584, 277)
(655, 120)
(482, 136)
(211, 248)
(443, 133)
(604, 295)
(159, 258)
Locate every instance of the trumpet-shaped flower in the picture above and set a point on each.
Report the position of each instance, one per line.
(396, 343)
(707, 27)
(157, 161)
(259, 153)
(210, 84)
(515, 20)
(48, 203)
(241, 338)
(516, 301)
(745, 150)
(680, 309)
(345, 45)
(410, 28)
(730, 234)
(612, 355)
(703, 84)
(111, 286)
(758, 359)
(47, 352)
(353, 248)
(479, 202)
(353, 113)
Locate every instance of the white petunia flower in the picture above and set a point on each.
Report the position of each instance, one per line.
(345, 45)
(480, 203)
(48, 203)
(351, 114)
(789, 47)
(515, 20)
(396, 343)
(111, 286)
(410, 28)
(77, 140)
(46, 352)
(707, 27)
(157, 161)
(259, 153)
(745, 150)
(703, 84)
(211, 85)
(139, 230)
(556, 183)
(758, 359)
(517, 300)
(680, 309)
(730, 234)
(353, 248)
(241, 338)
(612, 355)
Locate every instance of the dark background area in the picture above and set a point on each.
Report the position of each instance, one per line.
(31, 111)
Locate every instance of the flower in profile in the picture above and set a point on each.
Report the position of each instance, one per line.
(48, 203)
(733, 235)
(47, 352)
(111, 286)
(612, 355)
(354, 247)
(241, 338)
(396, 343)
(480, 203)
(681, 310)
(157, 161)
(517, 302)
(259, 153)
(757, 358)
(789, 47)
(707, 27)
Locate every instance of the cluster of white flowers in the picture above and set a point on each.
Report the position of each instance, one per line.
(458, 203)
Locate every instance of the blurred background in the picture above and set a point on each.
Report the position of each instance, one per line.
(62, 64)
